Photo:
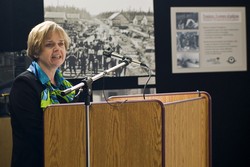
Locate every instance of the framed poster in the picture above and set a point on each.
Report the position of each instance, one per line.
(208, 39)
(126, 26)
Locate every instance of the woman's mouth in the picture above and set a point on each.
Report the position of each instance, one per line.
(56, 56)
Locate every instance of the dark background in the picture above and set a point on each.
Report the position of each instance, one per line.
(229, 90)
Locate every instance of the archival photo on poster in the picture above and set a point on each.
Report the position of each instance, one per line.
(127, 27)
(208, 39)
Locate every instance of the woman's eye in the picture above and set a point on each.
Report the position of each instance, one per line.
(52, 44)
(61, 44)
(49, 45)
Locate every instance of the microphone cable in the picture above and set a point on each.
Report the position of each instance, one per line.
(149, 77)
(105, 97)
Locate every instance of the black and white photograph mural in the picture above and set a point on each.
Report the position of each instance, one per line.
(126, 26)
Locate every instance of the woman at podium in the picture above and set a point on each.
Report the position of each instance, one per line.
(36, 88)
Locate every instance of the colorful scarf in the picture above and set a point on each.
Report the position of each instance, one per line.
(51, 93)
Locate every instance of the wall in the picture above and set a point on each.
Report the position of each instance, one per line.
(229, 90)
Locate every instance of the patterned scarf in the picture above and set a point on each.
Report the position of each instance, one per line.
(51, 93)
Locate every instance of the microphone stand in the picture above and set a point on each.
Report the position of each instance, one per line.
(87, 82)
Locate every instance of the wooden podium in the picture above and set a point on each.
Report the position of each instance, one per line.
(163, 130)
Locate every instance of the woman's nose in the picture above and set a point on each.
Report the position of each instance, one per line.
(56, 47)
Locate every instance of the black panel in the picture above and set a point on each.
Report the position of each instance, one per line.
(229, 90)
(6, 25)
(17, 19)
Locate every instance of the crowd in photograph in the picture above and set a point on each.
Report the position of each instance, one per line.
(85, 56)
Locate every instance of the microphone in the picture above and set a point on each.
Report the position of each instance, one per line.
(109, 53)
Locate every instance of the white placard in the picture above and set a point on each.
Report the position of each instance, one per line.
(208, 39)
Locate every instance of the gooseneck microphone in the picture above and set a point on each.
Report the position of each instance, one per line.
(109, 53)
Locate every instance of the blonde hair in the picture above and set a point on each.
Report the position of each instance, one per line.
(41, 32)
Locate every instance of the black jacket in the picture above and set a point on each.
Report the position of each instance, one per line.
(27, 121)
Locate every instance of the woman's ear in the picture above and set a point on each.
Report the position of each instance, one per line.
(35, 57)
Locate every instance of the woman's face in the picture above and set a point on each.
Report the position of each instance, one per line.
(53, 52)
